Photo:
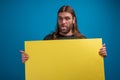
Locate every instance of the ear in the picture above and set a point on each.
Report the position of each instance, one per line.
(73, 20)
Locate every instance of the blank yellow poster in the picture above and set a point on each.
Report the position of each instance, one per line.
(74, 59)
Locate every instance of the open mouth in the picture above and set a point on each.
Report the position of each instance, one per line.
(63, 27)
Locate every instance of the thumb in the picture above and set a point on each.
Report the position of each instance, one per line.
(104, 45)
(21, 51)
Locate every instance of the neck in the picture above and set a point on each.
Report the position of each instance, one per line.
(66, 34)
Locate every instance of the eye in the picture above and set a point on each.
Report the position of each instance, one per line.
(67, 18)
(60, 18)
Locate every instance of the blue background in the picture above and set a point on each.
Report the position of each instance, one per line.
(22, 20)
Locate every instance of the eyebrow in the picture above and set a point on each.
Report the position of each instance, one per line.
(65, 16)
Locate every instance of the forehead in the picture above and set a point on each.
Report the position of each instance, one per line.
(64, 14)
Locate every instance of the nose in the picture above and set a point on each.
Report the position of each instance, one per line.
(63, 21)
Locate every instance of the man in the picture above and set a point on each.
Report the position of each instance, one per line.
(66, 25)
(66, 29)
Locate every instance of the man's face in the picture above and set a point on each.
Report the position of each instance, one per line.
(65, 22)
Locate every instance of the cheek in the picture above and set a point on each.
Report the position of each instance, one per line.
(59, 22)
(70, 23)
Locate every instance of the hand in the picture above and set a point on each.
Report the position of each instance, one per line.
(24, 55)
(103, 51)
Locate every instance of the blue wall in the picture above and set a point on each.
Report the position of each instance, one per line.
(22, 20)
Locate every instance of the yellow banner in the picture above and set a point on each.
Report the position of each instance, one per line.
(74, 59)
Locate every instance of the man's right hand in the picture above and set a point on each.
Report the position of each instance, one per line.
(24, 56)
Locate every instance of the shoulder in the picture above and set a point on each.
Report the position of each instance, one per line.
(83, 37)
(48, 37)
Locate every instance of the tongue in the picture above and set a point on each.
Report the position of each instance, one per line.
(63, 27)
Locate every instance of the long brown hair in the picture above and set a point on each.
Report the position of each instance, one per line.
(75, 30)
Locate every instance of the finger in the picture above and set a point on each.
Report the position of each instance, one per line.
(21, 51)
(23, 61)
(104, 54)
(102, 50)
(25, 55)
(104, 45)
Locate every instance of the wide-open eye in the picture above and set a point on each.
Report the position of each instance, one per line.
(67, 18)
(60, 18)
